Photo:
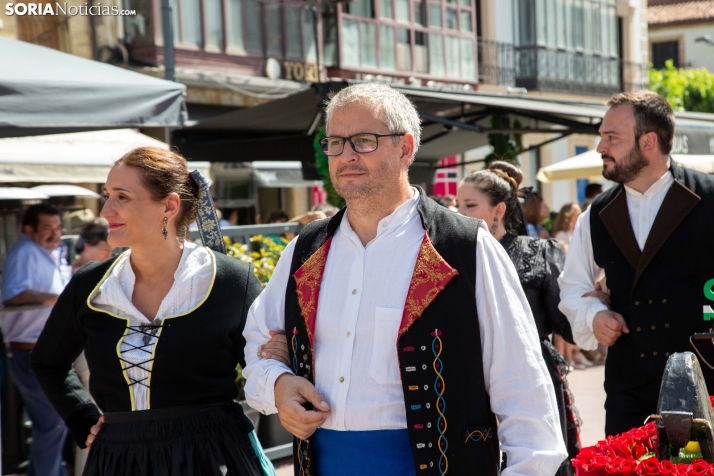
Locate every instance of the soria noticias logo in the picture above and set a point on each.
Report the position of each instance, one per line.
(21, 9)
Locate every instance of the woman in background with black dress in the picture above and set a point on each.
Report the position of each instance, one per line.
(492, 195)
(161, 326)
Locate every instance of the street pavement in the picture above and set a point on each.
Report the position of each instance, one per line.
(587, 388)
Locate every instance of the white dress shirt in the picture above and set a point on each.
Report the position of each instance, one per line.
(362, 298)
(580, 272)
(192, 282)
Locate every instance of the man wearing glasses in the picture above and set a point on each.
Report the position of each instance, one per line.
(411, 347)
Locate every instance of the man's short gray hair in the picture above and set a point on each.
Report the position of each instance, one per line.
(397, 111)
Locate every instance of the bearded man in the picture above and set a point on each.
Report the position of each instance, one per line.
(410, 339)
(651, 236)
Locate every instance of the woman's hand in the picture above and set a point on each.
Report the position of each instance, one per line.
(601, 292)
(94, 431)
(276, 348)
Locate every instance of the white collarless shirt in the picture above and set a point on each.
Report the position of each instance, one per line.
(580, 272)
(362, 298)
(192, 281)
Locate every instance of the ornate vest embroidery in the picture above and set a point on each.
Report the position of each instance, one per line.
(451, 428)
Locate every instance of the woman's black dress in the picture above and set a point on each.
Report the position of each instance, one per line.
(193, 427)
(539, 263)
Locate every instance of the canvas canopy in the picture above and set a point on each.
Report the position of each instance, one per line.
(80, 157)
(588, 165)
(45, 91)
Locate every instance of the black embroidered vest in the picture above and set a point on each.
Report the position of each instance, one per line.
(661, 291)
(451, 427)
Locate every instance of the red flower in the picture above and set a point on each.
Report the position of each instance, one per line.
(698, 468)
(621, 467)
(638, 451)
(593, 467)
(621, 448)
(649, 467)
(669, 468)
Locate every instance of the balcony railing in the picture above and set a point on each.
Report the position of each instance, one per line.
(542, 68)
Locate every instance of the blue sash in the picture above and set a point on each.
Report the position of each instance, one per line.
(363, 453)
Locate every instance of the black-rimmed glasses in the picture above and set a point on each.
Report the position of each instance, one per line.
(361, 143)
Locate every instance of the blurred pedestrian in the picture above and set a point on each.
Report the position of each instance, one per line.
(492, 195)
(34, 274)
(443, 201)
(536, 211)
(162, 329)
(326, 208)
(565, 224)
(276, 216)
(592, 190)
(92, 243)
(563, 232)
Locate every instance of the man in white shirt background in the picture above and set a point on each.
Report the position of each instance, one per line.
(412, 347)
(651, 237)
(34, 274)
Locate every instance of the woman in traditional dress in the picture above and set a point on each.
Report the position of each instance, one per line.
(161, 327)
(492, 196)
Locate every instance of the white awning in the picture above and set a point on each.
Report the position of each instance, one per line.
(588, 165)
(81, 157)
(59, 190)
(19, 193)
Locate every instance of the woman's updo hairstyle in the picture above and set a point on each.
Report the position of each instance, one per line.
(165, 172)
(500, 184)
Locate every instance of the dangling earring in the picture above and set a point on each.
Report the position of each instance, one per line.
(164, 231)
(494, 227)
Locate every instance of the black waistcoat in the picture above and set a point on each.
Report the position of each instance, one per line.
(451, 426)
(660, 289)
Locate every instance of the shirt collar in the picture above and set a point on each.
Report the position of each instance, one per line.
(656, 188)
(402, 215)
(55, 256)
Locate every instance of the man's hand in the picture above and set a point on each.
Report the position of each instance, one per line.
(290, 393)
(276, 348)
(608, 326)
(94, 431)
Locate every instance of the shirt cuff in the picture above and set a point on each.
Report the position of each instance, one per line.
(266, 405)
(594, 307)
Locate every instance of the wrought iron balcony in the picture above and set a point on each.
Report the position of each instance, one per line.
(542, 68)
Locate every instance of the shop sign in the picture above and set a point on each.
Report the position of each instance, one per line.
(693, 143)
(300, 71)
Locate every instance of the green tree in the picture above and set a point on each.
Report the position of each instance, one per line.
(506, 147)
(323, 168)
(686, 89)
